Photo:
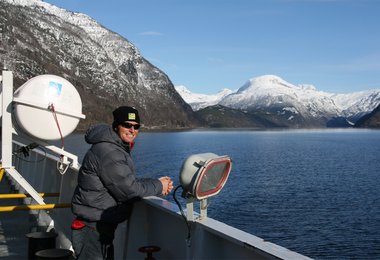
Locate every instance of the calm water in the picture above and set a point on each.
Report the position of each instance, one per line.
(314, 192)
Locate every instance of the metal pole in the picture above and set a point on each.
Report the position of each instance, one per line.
(6, 127)
(34, 207)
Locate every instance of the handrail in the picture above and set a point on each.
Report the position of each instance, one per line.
(26, 195)
(34, 207)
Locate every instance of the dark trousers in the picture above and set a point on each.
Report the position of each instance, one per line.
(94, 243)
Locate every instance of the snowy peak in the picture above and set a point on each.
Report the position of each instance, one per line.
(97, 33)
(272, 93)
(272, 84)
(345, 101)
(263, 83)
(199, 101)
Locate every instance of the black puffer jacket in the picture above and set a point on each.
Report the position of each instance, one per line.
(107, 184)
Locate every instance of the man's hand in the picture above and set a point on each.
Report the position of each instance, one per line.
(167, 185)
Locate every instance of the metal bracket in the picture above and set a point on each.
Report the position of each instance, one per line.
(190, 209)
(6, 137)
(25, 184)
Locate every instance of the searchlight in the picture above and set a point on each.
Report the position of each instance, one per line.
(202, 176)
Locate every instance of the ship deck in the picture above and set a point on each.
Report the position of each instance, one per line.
(147, 226)
(14, 225)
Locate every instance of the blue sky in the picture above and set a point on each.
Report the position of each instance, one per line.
(208, 45)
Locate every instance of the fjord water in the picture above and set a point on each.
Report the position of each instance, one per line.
(316, 192)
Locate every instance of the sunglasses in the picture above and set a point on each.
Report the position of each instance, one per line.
(129, 125)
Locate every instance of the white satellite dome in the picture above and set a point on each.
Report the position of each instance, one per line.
(47, 107)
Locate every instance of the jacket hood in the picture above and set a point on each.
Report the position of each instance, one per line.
(103, 133)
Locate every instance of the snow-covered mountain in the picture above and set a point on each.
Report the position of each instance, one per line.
(270, 91)
(357, 104)
(271, 94)
(199, 101)
(107, 70)
(371, 120)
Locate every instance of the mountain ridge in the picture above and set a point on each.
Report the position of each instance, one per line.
(303, 103)
(107, 70)
(371, 120)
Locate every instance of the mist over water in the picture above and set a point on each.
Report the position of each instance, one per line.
(316, 192)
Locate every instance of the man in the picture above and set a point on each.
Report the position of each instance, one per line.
(108, 186)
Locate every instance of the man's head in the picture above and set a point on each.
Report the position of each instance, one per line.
(126, 122)
(125, 114)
